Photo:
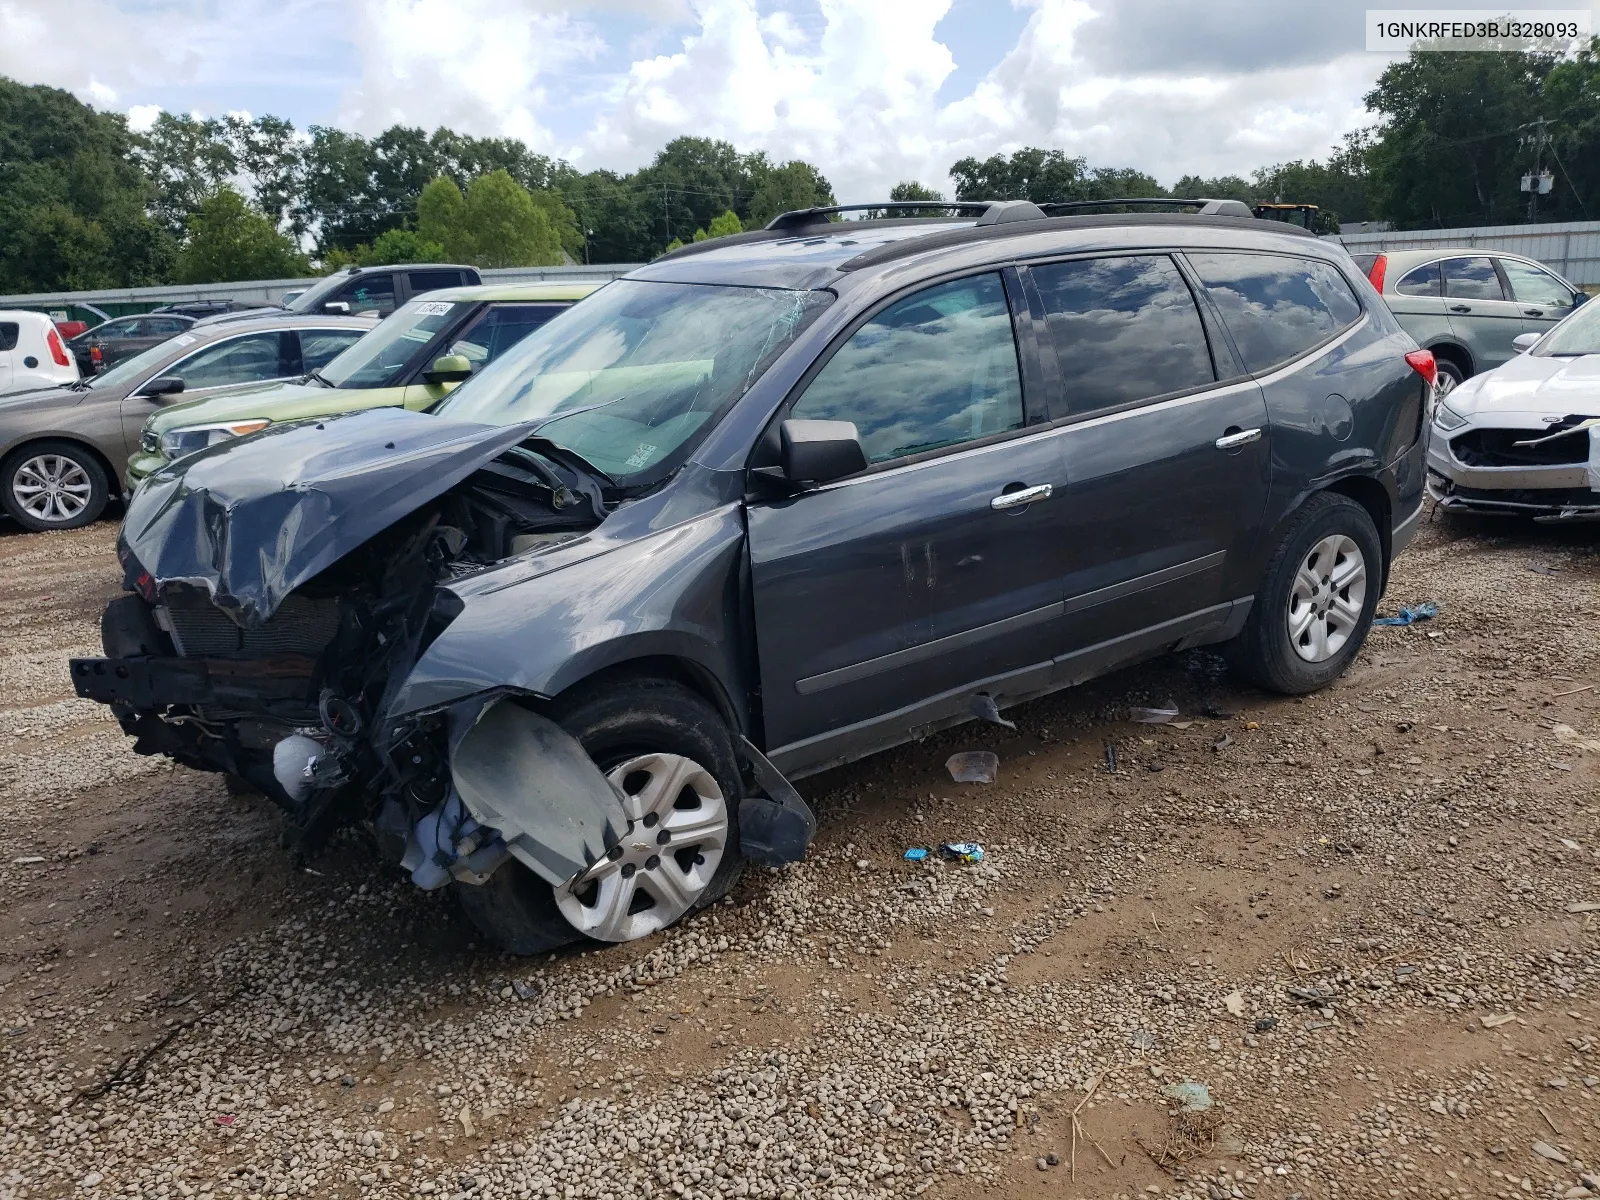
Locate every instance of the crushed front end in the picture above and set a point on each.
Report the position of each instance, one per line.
(278, 596)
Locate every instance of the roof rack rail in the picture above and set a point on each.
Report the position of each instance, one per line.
(990, 212)
(1204, 207)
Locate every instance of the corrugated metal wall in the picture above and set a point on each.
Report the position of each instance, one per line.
(1571, 248)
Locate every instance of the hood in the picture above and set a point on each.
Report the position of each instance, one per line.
(251, 520)
(285, 400)
(1532, 386)
(45, 397)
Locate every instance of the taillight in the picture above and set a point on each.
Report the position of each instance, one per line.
(1379, 266)
(95, 355)
(57, 351)
(1421, 361)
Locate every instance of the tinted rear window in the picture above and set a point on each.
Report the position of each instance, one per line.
(1124, 329)
(1277, 307)
(9, 332)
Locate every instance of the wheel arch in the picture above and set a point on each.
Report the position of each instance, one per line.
(1374, 497)
(647, 664)
(113, 481)
(1454, 352)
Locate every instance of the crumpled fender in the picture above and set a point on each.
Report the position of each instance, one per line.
(527, 778)
(252, 520)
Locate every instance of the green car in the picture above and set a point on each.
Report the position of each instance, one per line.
(412, 358)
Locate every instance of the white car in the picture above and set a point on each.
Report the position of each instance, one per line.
(1524, 438)
(33, 354)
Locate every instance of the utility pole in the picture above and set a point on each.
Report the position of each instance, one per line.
(1537, 182)
(666, 218)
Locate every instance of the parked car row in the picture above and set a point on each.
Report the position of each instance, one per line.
(770, 503)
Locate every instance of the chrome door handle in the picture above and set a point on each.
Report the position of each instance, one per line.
(1021, 497)
(1232, 441)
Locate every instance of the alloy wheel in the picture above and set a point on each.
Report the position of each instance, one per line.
(51, 488)
(1443, 384)
(677, 834)
(1327, 598)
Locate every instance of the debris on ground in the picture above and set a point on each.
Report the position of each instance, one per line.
(1546, 1151)
(973, 766)
(916, 854)
(1153, 716)
(984, 708)
(962, 851)
(1425, 611)
(1234, 1002)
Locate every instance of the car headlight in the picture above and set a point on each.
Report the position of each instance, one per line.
(175, 443)
(1447, 419)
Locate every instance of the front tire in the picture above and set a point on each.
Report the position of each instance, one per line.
(672, 754)
(1315, 606)
(53, 485)
(1448, 379)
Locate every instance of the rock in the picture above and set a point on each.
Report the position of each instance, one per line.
(1546, 1150)
(1234, 1002)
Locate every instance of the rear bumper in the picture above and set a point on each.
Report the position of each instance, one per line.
(1405, 530)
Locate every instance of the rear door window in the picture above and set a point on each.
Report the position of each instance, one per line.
(164, 326)
(498, 328)
(1123, 329)
(1472, 279)
(1277, 306)
(247, 359)
(1424, 281)
(935, 369)
(428, 281)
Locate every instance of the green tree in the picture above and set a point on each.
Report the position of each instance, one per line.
(190, 159)
(721, 226)
(1028, 174)
(73, 201)
(441, 218)
(793, 185)
(269, 157)
(228, 240)
(504, 227)
(399, 246)
(1449, 149)
(1223, 187)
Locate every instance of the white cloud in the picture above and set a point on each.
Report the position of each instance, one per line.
(469, 64)
(142, 117)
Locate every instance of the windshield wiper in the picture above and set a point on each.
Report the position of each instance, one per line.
(79, 385)
(321, 378)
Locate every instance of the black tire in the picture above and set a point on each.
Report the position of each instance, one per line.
(1263, 653)
(81, 458)
(614, 719)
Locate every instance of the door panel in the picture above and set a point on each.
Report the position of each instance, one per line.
(876, 593)
(1156, 513)
(1480, 315)
(1417, 301)
(1541, 298)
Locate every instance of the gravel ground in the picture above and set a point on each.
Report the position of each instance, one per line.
(1365, 920)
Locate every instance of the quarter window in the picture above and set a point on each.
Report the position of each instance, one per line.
(428, 281)
(1277, 307)
(10, 331)
(935, 369)
(248, 359)
(1424, 281)
(1472, 279)
(1530, 285)
(1124, 330)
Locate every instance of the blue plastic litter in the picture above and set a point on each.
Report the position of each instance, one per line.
(916, 854)
(965, 851)
(1410, 616)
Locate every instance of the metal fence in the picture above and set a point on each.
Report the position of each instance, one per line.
(1571, 248)
(122, 301)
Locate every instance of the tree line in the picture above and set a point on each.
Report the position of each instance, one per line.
(85, 202)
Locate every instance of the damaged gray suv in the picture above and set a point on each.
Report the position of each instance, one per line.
(769, 504)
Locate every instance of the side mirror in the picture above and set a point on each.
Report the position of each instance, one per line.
(449, 368)
(336, 306)
(1578, 298)
(162, 385)
(821, 451)
(1524, 342)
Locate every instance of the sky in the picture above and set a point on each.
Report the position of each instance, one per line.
(870, 91)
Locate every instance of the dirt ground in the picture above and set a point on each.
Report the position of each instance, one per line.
(1365, 921)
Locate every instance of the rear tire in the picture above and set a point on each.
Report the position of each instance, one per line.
(616, 721)
(1449, 377)
(53, 485)
(1305, 628)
